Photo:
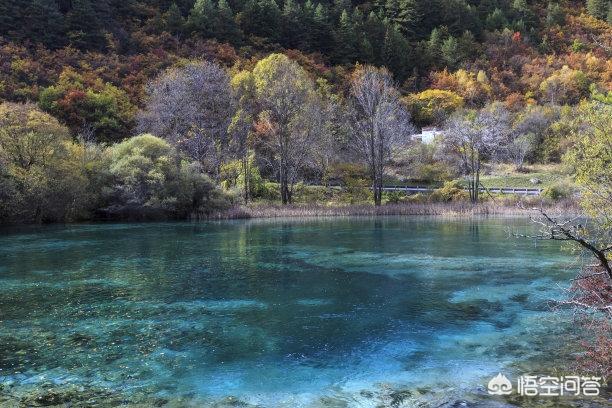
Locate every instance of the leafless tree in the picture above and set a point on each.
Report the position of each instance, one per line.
(589, 297)
(536, 120)
(380, 122)
(519, 147)
(192, 107)
(331, 141)
(290, 113)
(528, 130)
(239, 130)
(553, 90)
(471, 136)
(293, 148)
(574, 230)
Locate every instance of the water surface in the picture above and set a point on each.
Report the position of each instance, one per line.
(276, 312)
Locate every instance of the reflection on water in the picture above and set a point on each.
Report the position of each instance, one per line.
(279, 310)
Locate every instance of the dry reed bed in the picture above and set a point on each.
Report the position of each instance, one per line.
(452, 209)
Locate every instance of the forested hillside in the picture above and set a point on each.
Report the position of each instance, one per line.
(513, 46)
(205, 78)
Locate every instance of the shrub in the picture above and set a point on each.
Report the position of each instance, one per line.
(269, 190)
(149, 180)
(45, 175)
(80, 101)
(429, 172)
(433, 105)
(417, 198)
(395, 197)
(559, 191)
(450, 191)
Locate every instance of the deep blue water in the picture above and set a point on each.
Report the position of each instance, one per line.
(276, 311)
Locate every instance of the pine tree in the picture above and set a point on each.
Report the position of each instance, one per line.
(554, 14)
(408, 16)
(366, 51)
(358, 21)
(41, 22)
(10, 14)
(321, 38)
(395, 52)
(403, 13)
(262, 18)
(450, 52)
(294, 34)
(375, 33)
(203, 18)
(339, 7)
(522, 12)
(496, 20)
(227, 29)
(434, 45)
(467, 45)
(345, 42)
(308, 24)
(173, 20)
(598, 8)
(84, 27)
(392, 10)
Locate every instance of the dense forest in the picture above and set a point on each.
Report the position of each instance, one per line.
(156, 108)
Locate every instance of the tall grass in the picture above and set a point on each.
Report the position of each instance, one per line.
(439, 209)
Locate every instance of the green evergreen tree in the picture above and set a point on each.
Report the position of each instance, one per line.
(294, 33)
(173, 20)
(403, 13)
(375, 32)
(434, 45)
(364, 47)
(358, 21)
(85, 29)
(467, 45)
(308, 24)
(450, 52)
(345, 40)
(408, 17)
(227, 29)
(598, 8)
(522, 11)
(395, 52)
(340, 6)
(554, 14)
(262, 18)
(321, 38)
(309, 8)
(391, 10)
(203, 18)
(432, 14)
(40, 22)
(9, 16)
(496, 20)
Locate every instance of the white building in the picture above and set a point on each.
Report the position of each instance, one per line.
(427, 135)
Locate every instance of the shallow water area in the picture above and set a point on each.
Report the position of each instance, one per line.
(278, 312)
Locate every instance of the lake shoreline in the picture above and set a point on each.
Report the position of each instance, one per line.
(459, 209)
(451, 209)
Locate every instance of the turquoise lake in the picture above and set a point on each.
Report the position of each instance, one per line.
(278, 312)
